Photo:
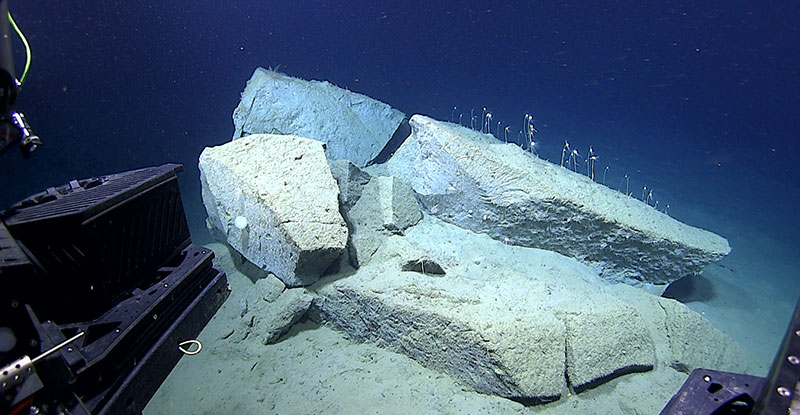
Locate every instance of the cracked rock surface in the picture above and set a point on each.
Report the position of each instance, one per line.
(354, 126)
(478, 183)
(527, 329)
(387, 206)
(283, 187)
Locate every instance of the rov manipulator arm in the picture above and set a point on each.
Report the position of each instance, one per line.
(13, 126)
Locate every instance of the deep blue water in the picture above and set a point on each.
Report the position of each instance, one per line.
(697, 100)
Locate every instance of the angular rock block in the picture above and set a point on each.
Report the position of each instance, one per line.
(387, 206)
(351, 181)
(354, 126)
(520, 359)
(476, 182)
(283, 187)
(517, 322)
(594, 336)
(684, 339)
(268, 317)
(694, 343)
(508, 335)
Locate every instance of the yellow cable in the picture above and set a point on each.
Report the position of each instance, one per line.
(27, 49)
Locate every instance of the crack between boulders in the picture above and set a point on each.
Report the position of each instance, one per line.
(250, 109)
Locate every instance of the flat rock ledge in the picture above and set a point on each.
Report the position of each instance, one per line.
(282, 190)
(520, 359)
(354, 126)
(506, 334)
(478, 183)
(530, 330)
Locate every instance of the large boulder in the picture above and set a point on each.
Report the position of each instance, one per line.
(457, 327)
(478, 183)
(280, 192)
(354, 126)
(517, 322)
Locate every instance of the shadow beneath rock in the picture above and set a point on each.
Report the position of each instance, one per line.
(241, 264)
(691, 288)
(302, 325)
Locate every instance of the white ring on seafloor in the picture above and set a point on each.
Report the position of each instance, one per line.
(189, 343)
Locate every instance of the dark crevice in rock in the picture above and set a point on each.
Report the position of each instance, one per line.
(615, 374)
(400, 134)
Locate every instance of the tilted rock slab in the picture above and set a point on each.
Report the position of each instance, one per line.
(354, 126)
(476, 182)
(284, 188)
(496, 329)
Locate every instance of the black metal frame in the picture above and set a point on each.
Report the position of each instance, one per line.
(721, 393)
(109, 257)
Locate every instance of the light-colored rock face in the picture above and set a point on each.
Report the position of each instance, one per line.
(354, 127)
(374, 207)
(445, 329)
(351, 182)
(605, 338)
(283, 186)
(464, 290)
(516, 322)
(694, 343)
(387, 206)
(472, 180)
